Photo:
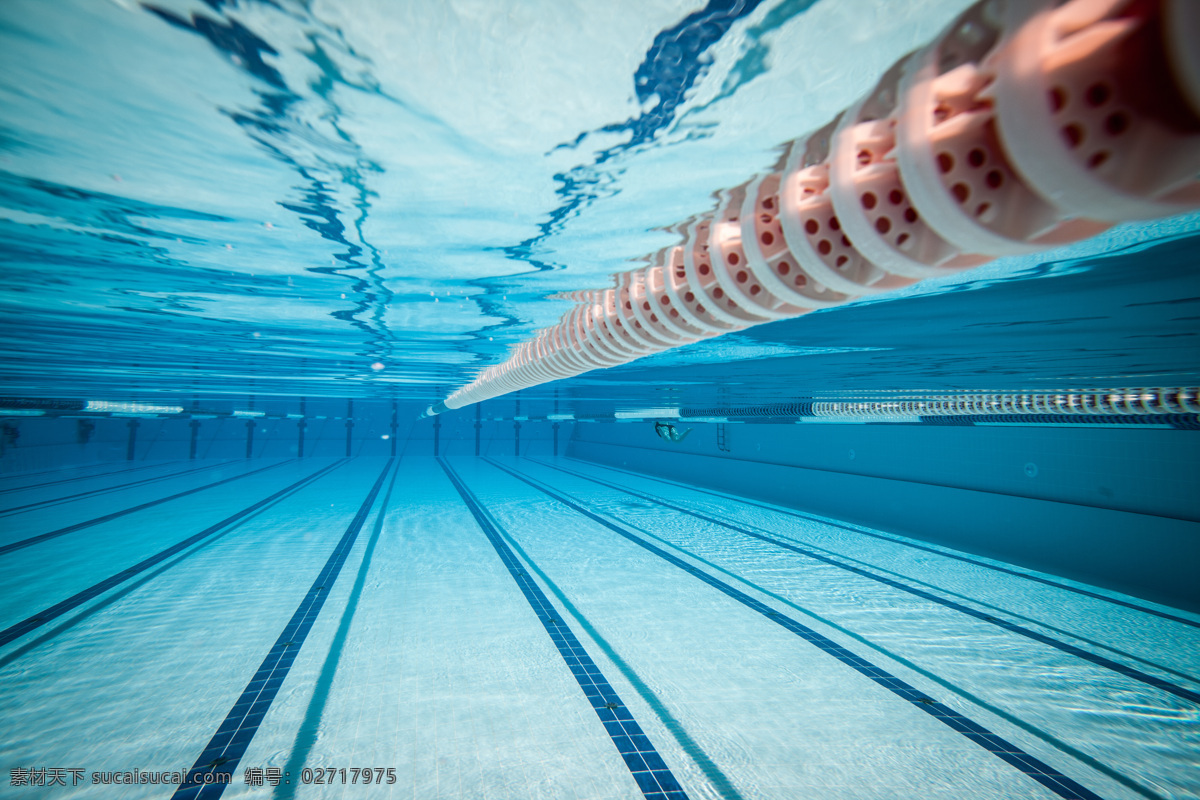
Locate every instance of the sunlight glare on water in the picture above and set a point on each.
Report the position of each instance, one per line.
(933, 543)
(198, 194)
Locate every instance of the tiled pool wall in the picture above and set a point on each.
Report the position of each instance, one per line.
(1112, 505)
(544, 627)
(1108, 505)
(285, 429)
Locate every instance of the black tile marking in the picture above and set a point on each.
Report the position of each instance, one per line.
(105, 490)
(651, 773)
(1012, 627)
(58, 609)
(76, 478)
(8, 548)
(945, 554)
(1012, 755)
(310, 725)
(233, 736)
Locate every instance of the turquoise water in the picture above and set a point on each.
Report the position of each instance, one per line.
(281, 229)
(761, 652)
(270, 199)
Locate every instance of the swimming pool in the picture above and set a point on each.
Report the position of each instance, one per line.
(938, 541)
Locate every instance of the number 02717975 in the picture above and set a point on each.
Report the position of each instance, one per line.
(364, 775)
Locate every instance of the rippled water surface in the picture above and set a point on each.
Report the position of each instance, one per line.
(259, 237)
(376, 199)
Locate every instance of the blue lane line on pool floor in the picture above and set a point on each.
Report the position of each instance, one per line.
(225, 750)
(77, 477)
(310, 726)
(104, 490)
(653, 777)
(58, 609)
(1006, 751)
(32, 540)
(913, 545)
(1070, 649)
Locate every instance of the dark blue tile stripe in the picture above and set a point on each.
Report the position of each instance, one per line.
(995, 568)
(227, 746)
(57, 610)
(1098, 660)
(76, 478)
(648, 769)
(8, 548)
(105, 490)
(1041, 772)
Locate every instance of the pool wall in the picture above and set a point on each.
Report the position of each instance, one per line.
(30, 444)
(1112, 506)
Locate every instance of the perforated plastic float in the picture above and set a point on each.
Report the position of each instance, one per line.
(1026, 124)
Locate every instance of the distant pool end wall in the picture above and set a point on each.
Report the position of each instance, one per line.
(1025, 125)
(434, 410)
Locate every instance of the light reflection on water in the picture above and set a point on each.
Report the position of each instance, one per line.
(356, 199)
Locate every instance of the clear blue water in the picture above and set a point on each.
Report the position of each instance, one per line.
(762, 652)
(241, 204)
(270, 199)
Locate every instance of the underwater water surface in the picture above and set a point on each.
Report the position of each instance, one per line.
(274, 198)
(280, 229)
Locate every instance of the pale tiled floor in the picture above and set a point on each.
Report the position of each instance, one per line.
(427, 659)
